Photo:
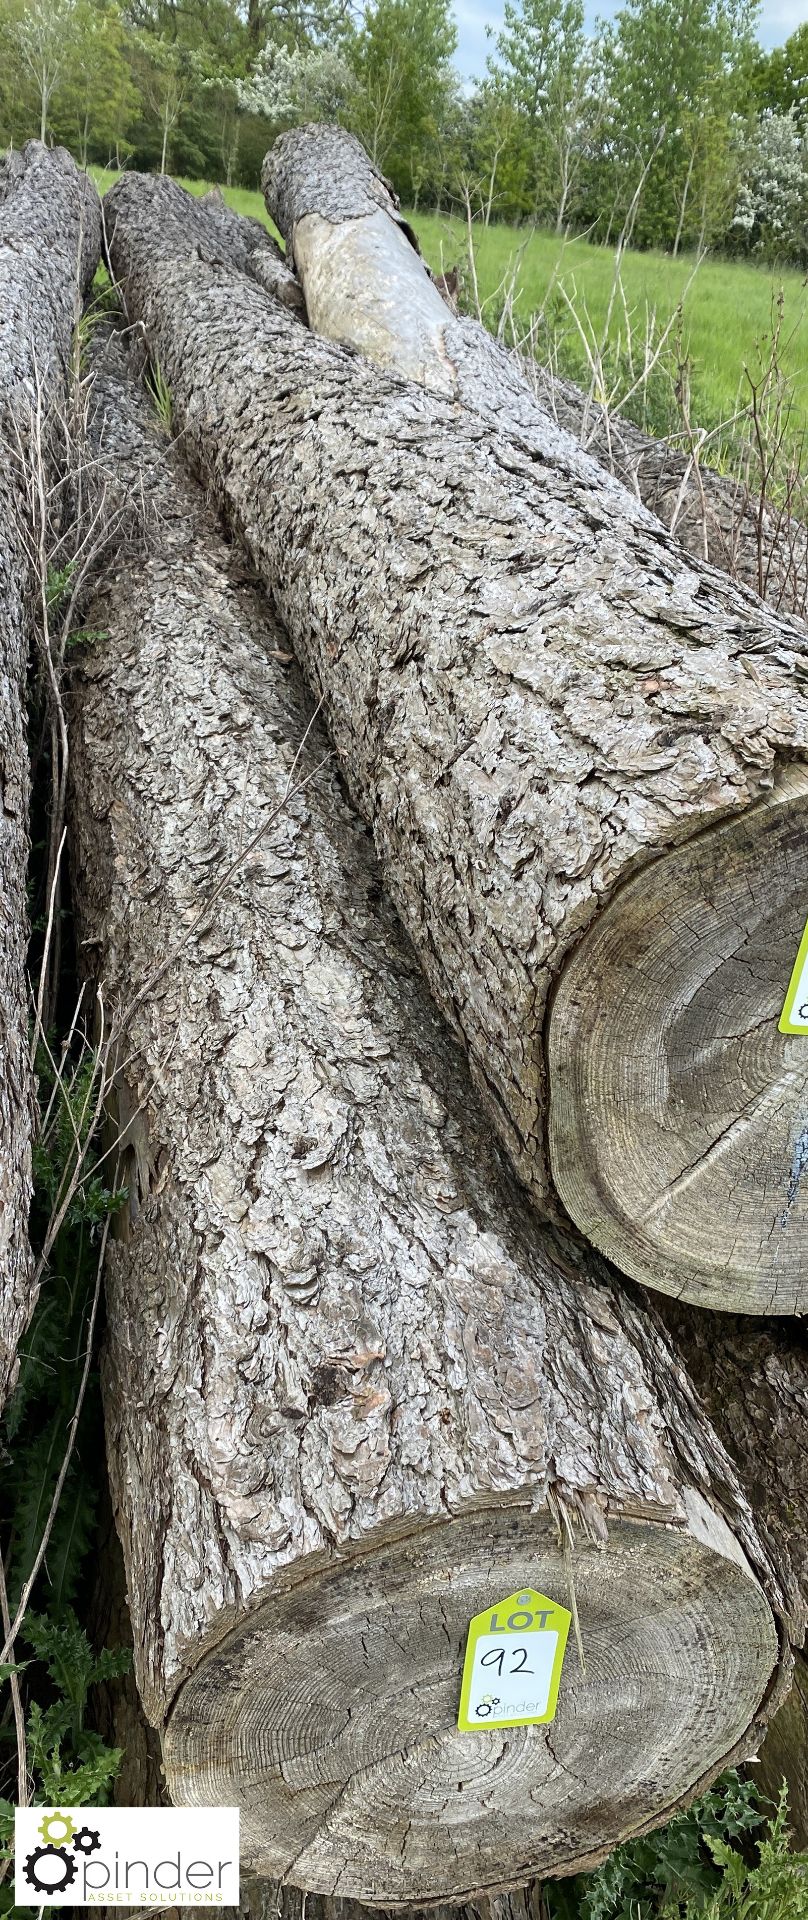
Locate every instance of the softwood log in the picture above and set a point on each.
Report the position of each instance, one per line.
(754, 1382)
(367, 286)
(50, 238)
(351, 1392)
(557, 728)
(118, 1716)
(714, 516)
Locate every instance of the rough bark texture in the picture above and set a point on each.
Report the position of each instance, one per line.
(50, 237)
(349, 1387)
(713, 516)
(754, 1382)
(242, 236)
(276, 278)
(367, 286)
(533, 696)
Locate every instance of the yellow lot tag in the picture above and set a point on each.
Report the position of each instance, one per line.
(794, 1017)
(514, 1655)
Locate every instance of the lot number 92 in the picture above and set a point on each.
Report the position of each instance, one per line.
(514, 1656)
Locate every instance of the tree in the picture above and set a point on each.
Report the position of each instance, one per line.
(43, 38)
(542, 67)
(491, 162)
(401, 58)
(167, 72)
(676, 71)
(782, 76)
(771, 211)
(97, 96)
(309, 83)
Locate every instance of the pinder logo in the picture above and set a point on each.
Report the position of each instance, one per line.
(126, 1856)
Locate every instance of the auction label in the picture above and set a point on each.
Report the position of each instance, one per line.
(514, 1655)
(794, 1017)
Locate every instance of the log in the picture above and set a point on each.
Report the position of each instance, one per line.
(366, 285)
(714, 516)
(352, 1392)
(553, 723)
(754, 1384)
(118, 1716)
(50, 240)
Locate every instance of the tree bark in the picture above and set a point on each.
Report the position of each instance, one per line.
(533, 697)
(713, 516)
(754, 1383)
(50, 238)
(367, 286)
(352, 1392)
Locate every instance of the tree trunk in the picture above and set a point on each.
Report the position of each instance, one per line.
(366, 285)
(352, 1394)
(119, 1718)
(50, 234)
(754, 1382)
(243, 238)
(685, 192)
(533, 697)
(784, 1755)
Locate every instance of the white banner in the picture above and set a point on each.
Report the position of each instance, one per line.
(126, 1856)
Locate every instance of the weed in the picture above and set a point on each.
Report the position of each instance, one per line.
(722, 1859)
(159, 392)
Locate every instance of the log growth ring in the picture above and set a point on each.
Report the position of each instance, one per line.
(330, 1715)
(678, 1111)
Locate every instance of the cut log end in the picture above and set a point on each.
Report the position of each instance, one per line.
(330, 1715)
(679, 1111)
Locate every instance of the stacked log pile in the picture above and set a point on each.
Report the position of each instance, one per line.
(50, 243)
(352, 1391)
(581, 756)
(359, 1381)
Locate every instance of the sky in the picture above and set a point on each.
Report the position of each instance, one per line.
(778, 18)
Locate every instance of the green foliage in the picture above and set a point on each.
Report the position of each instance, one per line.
(74, 1766)
(34, 1432)
(159, 393)
(401, 57)
(724, 1859)
(103, 303)
(675, 75)
(774, 1887)
(57, 586)
(781, 77)
(542, 69)
(69, 1762)
(637, 121)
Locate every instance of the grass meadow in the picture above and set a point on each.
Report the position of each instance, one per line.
(565, 287)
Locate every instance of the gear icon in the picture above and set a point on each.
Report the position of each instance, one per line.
(68, 1866)
(57, 1820)
(86, 1840)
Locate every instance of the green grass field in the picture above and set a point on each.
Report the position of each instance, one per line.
(727, 312)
